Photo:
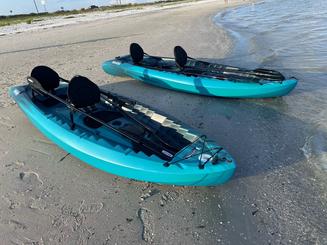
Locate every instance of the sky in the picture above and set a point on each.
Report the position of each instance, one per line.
(27, 6)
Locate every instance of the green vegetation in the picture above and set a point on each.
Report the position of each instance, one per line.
(33, 17)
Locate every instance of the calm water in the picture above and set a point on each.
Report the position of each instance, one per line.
(290, 36)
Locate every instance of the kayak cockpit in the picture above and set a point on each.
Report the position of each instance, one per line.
(119, 135)
(183, 64)
(80, 98)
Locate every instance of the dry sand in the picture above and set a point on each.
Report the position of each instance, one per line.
(49, 197)
(63, 20)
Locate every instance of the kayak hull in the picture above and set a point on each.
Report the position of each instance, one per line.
(112, 158)
(199, 85)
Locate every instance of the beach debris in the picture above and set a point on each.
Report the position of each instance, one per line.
(21, 175)
(146, 218)
(31, 180)
(168, 196)
(149, 194)
(63, 158)
(129, 220)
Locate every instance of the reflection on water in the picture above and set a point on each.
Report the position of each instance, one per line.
(290, 36)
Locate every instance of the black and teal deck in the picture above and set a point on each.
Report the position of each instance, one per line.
(202, 78)
(112, 153)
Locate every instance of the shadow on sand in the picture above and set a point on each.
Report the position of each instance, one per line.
(258, 133)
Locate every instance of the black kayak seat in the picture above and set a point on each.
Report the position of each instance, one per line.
(48, 78)
(180, 56)
(139, 57)
(83, 93)
(136, 52)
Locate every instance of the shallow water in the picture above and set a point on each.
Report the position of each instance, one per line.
(290, 36)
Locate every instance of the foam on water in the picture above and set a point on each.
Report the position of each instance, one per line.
(290, 36)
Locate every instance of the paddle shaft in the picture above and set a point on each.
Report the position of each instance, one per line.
(73, 108)
(114, 97)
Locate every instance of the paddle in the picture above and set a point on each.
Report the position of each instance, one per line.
(164, 154)
(181, 59)
(210, 70)
(118, 102)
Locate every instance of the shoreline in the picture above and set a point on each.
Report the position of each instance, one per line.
(73, 19)
(227, 39)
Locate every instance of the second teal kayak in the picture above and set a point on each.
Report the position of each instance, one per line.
(199, 77)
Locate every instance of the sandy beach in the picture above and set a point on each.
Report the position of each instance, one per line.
(49, 197)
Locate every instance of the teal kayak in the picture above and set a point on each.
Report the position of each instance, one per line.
(118, 135)
(186, 74)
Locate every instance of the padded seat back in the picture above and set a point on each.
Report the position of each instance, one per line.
(136, 52)
(82, 92)
(48, 78)
(180, 56)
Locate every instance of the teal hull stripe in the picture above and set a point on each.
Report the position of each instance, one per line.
(131, 165)
(199, 85)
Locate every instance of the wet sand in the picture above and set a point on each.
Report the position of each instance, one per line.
(48, 196)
